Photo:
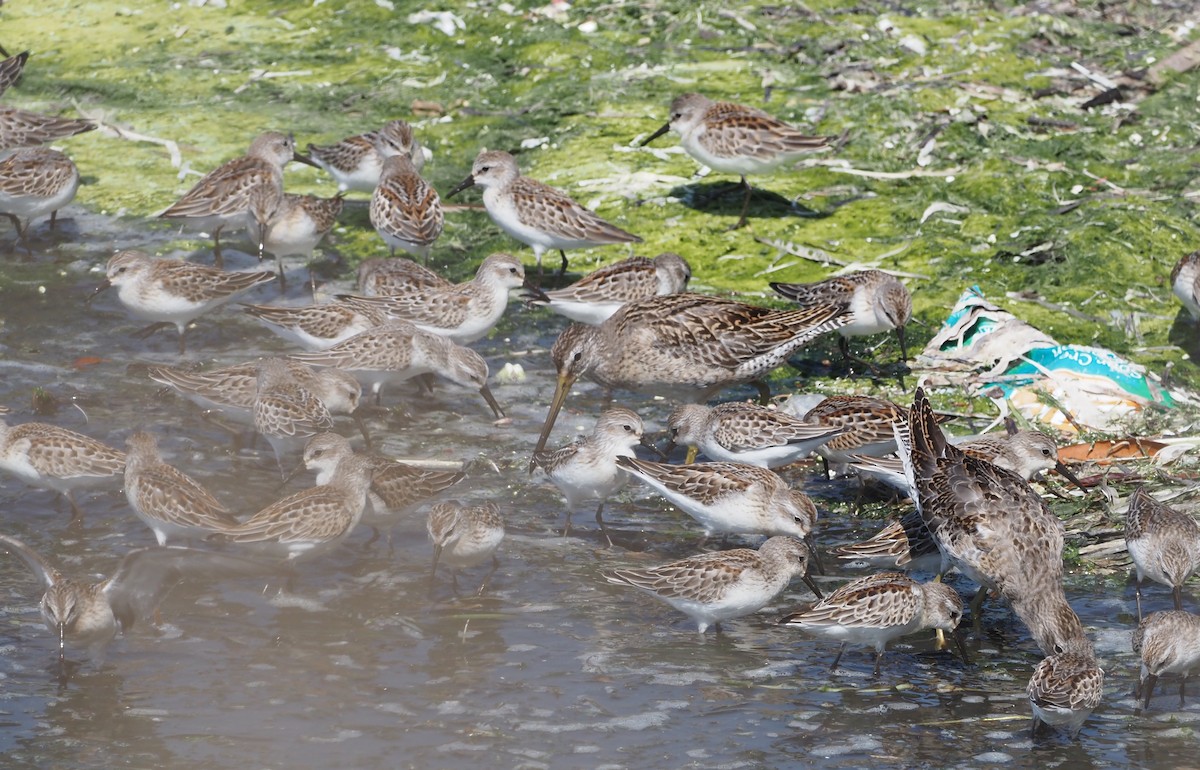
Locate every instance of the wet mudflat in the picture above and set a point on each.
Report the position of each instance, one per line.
(366, 663)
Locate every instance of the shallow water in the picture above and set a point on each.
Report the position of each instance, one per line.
(365, 665)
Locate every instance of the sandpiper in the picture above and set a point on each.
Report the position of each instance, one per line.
(534, 213)
(171, 292)
(11, 69)
(399, 351)
(599, 294)
(992, 525)
(35, 182)
(1026, 453)
(746, 433)
(1164, 544)
(463, 312)
(465, 535)
(729, 498)
(296, 226)
(686, 346)
(91, 613)
(587, 468)
(21, 128)
(243, 189)
(385, 276)
(734, 139)
(405, 209)
(722, 585)
(878, 302)
(170, 502)
(1167, 643)
(285, 412)
(231, 390)
(1065, 688)
(1185, 282)
(355, 162)
(878, 608)
(315, 519)
(866, 423)
(396, 487)
(53, 458)
(316, 327)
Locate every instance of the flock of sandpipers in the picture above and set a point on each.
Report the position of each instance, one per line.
(636, 329)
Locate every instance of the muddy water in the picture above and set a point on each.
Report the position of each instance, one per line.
(365, 664)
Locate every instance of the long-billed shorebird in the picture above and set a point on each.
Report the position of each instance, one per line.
(685, 346)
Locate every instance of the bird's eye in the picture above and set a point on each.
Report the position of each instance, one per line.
(121, 270)
(1046, 452)
(578, 355)
(512, 270)
(628, 428)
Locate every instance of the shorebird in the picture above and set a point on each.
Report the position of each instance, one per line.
(746, 433)
(1167, 643)
(1185, 283)
(22, 128)
(386, 276)
(245, 189)
(35, 182)
(1065, 688)
(463, 536)
(879, 608)
(296, 226)
(171, 292)
(735, 139)
(992, 525)
(1163, 543)
(534, 213)
(91, 613)
(53, 458)
(399, 351)
(463, 312)
(356, 162)
(599, 294)
(316, 327)
(1026, 453)
(313, 520)
(906, 543)
(231, 390)
(405, 209)
(729, 498)
(878, 302)
(685, 346)
(722, 585)
(285, 412)
(11, 69)
(587, 467)
(396, 487)
(170, 502)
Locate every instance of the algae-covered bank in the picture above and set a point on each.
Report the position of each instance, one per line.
(968, 153)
